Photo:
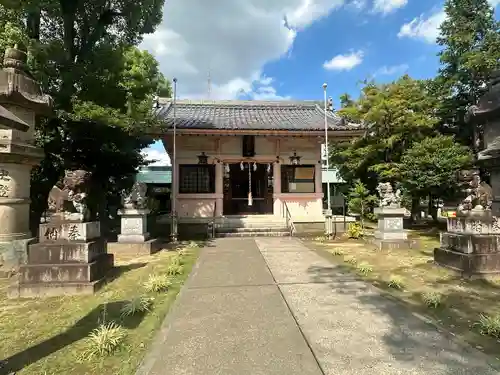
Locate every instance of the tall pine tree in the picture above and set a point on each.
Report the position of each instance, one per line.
(470, 37)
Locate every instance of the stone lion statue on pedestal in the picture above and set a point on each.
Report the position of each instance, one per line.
(479, 195)
(387, 196)
(137, 198)
(68, 198)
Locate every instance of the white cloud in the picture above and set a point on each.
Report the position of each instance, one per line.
(423, 28)
(158, 157)
(232, 40)
(427, 28)
(391, 70)
(358, 4)
(388, 6)
(344, 62)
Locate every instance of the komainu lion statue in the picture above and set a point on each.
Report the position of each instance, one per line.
(68, 198)
(137, 198)
(479, 195)
(387, 196)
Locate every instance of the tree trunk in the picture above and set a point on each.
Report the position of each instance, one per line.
(415, 210)
(433, 208)
(33, 23)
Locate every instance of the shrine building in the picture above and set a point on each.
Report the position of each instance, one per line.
(249, 158)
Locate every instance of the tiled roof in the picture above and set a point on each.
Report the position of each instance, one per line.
(251, 115)
(149, 176)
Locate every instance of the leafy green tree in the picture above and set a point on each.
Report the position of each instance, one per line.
(11, 29)
(74, 36)
(396, 115)
(346, 100)
(348, 108)
(360, 201)
(83, 53)
(429, 168)
(470, 37)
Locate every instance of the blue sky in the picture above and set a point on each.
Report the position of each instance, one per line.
(384, 54)
(286, 49)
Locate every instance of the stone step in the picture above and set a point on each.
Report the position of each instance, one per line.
(251, 226)
(258, 222)
(251, 230)
(61, 252)
(470, 264)
(266, 219)
(256, 217)
(66, 272)
(249, 221)
(253, 234)
(30, 290)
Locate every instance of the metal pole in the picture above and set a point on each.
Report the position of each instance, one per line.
(329, 207)
(173, 231)
(328, 215)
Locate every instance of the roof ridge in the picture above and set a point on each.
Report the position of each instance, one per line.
(250, 103)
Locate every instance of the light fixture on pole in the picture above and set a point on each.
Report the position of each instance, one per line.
(173, 229)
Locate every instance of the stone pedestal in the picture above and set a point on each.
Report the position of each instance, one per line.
(471, 244)
(70, 259)
(390, 233)
(134, 237)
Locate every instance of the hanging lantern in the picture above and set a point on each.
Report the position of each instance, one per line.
(268, 167)
(295, 159)
(254, 166)
(242, 166)
(202, 158)
(226, 168)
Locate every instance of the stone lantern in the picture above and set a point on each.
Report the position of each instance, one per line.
(21, 100)
(470, 245)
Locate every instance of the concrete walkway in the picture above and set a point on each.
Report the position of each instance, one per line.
(272, 306)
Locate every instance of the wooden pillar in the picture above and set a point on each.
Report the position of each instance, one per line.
(318, 178)
(277, 209)
(276, 178)
(219, 188)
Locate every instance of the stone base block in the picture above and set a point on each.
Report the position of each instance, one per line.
(391, 244)
(134, 248)
(133, 238)
(57, 230)
(391, 236)
(468, 264)
(60, 252)
(12, 255)
(66, 272)
(470, 243)
(53, 289)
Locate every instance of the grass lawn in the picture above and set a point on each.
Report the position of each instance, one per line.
(47, 336)
(462, 301)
